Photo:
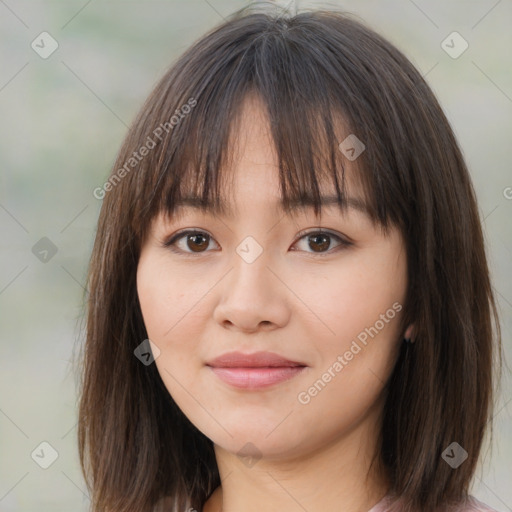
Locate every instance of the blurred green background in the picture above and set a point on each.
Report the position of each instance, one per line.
(62, 119)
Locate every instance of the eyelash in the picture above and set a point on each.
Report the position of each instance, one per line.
(182, 234)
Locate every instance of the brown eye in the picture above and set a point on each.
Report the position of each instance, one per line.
(189, 242)
(197, 242)
(319, 242)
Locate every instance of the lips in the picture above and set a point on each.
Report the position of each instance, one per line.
(255, 360)
(254, 371)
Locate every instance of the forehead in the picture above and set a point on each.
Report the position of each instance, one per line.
(254, 168)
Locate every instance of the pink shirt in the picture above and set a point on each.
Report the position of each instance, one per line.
(471, 505)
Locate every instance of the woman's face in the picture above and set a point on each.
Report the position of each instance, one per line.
(263, 280)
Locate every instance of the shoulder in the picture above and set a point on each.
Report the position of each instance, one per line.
(470, 504)
(473, 505)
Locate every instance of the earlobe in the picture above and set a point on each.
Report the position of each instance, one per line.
(409, 334)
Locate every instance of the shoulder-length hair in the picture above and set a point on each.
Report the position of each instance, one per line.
(311, 70)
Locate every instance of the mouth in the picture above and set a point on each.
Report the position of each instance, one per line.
(254, 371)
(256, 378)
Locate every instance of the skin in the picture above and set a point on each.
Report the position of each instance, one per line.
(293, 301)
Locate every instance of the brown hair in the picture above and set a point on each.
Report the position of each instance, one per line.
(311, 70)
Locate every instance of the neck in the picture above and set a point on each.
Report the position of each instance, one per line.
(338, 476)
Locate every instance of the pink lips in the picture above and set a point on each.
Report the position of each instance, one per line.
(254, 371)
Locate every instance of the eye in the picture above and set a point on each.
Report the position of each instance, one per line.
(196, 242)
(320, 241)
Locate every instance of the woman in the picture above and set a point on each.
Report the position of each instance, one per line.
(290, 305)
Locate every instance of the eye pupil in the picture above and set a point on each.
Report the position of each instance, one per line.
(323, 245)
(195, 236)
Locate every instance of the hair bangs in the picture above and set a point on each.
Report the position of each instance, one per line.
(276, 68)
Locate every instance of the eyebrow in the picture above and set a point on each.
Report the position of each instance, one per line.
(225, 210)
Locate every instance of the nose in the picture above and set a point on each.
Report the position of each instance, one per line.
(253, 296)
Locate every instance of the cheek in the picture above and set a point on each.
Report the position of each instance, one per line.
(361, 309)
(169, 301)
(354, 296)
(358, 338)
(170, 309)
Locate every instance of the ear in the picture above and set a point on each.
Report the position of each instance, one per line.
(409, 333)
